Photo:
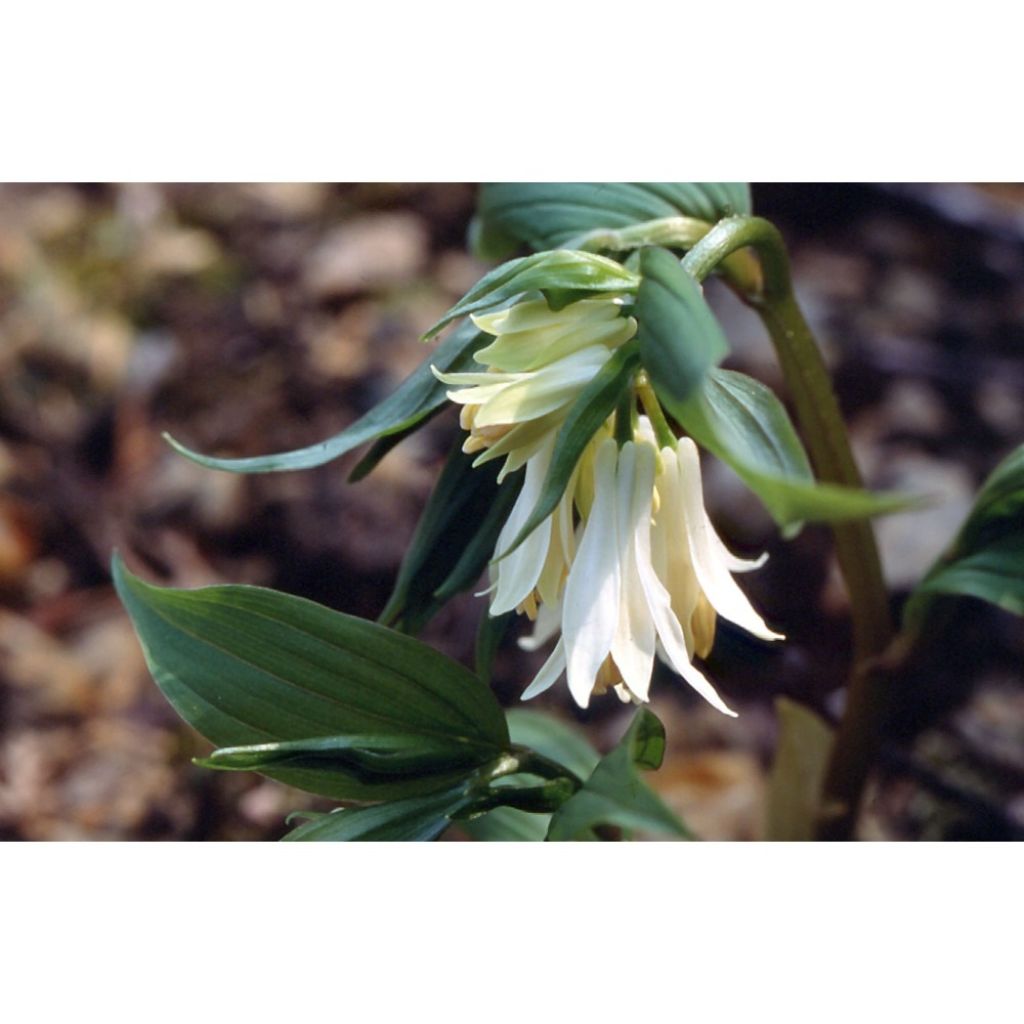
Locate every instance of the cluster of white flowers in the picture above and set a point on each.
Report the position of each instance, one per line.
(628, 565)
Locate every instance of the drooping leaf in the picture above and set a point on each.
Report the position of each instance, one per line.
(741, 421)
(986, 559)
(680, 339)
(489, 634)
(798, 772)
(453, 542)
(593, 406)
(615, 794)
(246, 665)
(483, 537)
(546, 215)
(417, 398)
(416, 819)
(385, 444)
(559, 271)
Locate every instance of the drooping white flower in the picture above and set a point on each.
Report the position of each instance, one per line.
(537, 568)
(648, 577)
(539, 362)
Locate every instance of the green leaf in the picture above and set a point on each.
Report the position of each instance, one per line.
(592, 407)
(615, 794)
(993, 573)
(416, 399)
(680, 340)
(417, 819)
(801, 758)
(507, 825)
(554, 739)
(986, 559)
(741, 421)
(365, 756)
(559, 271)
(387, 443)
(999, 507)
(453, 542)
(489, 634)
(546, 215)
(246, 665)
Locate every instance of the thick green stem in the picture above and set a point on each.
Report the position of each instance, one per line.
(824, 432)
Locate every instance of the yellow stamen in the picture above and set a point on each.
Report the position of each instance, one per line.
(702, 622)
(608, 675)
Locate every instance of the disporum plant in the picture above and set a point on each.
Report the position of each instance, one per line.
(587, 378)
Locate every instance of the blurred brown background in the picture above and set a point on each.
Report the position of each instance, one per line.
(247, 319)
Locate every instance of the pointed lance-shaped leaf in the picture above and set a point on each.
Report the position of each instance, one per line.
(246, 665)
(453, 542)
(743, 423)
(615, 794)
(416, 399)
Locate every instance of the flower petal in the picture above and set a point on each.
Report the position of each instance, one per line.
(591, 602)
(633, 646)
(718, 585)
(548, 674)
(516, 574)
(675, 648)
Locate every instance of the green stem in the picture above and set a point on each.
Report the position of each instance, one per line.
(824, 432)
(649, 400)
(532, 763)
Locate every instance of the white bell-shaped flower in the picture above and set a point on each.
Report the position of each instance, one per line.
(539, 362)
(648, 577)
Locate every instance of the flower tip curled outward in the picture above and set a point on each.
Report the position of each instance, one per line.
(649, 577)
(642, 573)
(535, 368)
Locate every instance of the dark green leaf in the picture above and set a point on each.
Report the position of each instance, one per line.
(999, 508)
(801, 757)
(245, 665)
(593, 406)
(417, 398)
(615, 794)
(986, 560)
(454, 539)
(741, 421)
(366, 756)
(558, 271)
(418, 819)
(384, 445)
(490, 632)
(680, 340)
(546, 215)
(481, 535)
(553, 739)
(993, 573)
